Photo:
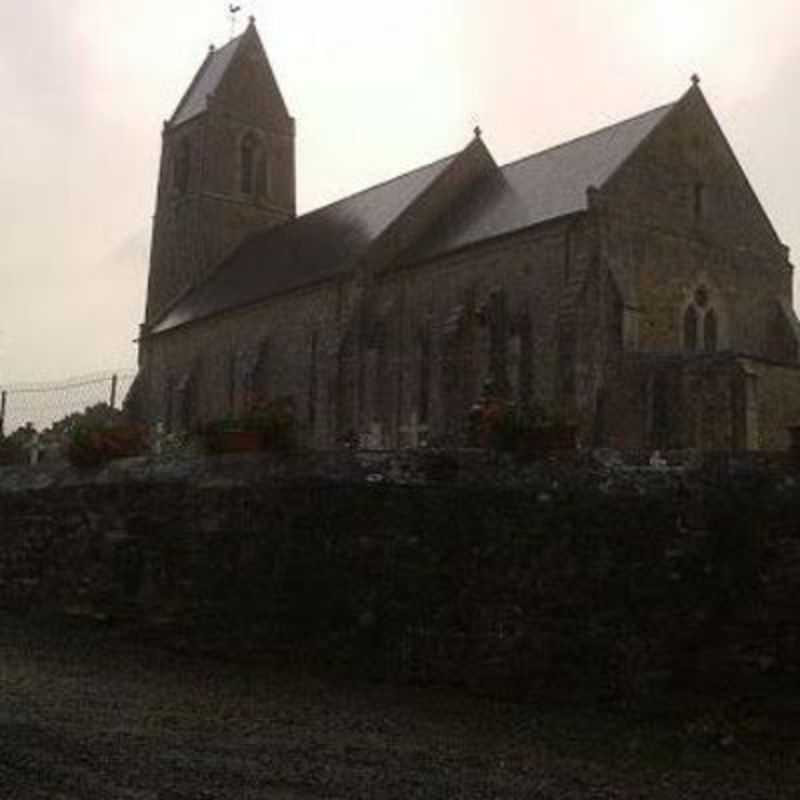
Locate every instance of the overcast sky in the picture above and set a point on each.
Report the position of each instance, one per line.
(376, 87)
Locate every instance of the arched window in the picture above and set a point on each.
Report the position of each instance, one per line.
(183, 162)
(699, 200)
(701, 323)
(249, 159)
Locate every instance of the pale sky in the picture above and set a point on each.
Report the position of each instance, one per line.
(376, 87)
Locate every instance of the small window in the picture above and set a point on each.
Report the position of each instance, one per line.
(699, 200)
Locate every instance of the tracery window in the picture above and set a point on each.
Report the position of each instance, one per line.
(700, 324)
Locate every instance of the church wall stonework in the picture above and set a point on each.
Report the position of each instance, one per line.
(453, 301)
(662, 271)
(252, 355)
(681, 214)
(685, 177)
(711, 402)
(451, 297)
(777, 389)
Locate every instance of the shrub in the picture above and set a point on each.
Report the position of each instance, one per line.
(97, 435)
(501, 426)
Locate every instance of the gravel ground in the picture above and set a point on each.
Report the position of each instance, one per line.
(88, 714)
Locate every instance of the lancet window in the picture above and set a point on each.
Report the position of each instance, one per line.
(701, 324)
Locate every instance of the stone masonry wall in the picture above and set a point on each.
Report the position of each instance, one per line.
(490, 312)
(272, 342)
(679, 214)
(583, 575)
(362, 350)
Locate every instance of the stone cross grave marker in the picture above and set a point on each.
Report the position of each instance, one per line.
(415, 432)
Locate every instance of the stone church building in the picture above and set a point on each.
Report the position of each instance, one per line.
(628, 280)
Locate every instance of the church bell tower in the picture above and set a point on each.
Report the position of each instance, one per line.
(227, 169)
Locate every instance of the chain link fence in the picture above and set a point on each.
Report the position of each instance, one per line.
(41, 404)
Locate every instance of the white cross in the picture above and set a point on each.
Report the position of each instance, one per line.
(34, 450)
(371, 439)
(414, 431)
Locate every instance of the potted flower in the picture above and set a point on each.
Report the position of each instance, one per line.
(277, 422)
(263, 426)
(98, 435)
(503, 427)
(231, 435)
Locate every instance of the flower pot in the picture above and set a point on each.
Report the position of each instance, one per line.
(95, 447)
(235, 441)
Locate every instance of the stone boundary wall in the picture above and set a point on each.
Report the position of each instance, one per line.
(587, 573)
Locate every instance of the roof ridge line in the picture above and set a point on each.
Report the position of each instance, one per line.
(230, 42)
(379, 185)
(595, 132)
(212, 53)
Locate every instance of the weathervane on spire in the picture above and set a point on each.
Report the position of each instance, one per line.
(233, 11)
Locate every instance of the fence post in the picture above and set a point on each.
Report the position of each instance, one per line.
(3, 398)
(113, 401)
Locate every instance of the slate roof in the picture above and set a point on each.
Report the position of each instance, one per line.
(316, 246)
(205, 82)
(540, 187)
(326, 242)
